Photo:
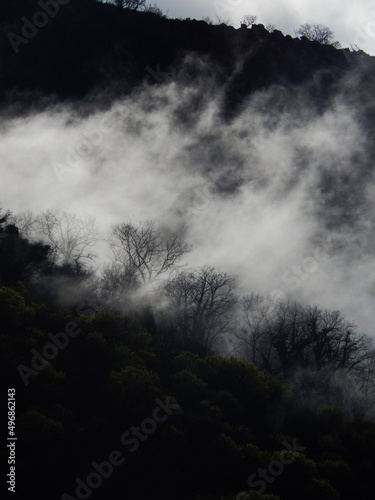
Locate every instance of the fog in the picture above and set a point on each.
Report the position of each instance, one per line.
(280, 196)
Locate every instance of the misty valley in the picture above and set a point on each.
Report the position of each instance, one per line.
(186, 257)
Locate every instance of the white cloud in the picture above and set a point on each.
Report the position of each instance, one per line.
(278, 192)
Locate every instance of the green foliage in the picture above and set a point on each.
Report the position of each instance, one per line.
(322, 489)
(15, 312)
(121, 330)
(186, 360)
(123, 356)
(95, 341)
(337, 472)
(134, 389)
(254, 456)
(189, 388)
(109, 378)
(212, 411)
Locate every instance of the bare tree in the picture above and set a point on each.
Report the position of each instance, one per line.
(207, 20)
(131, 4)
(146, 253)
(280, 337)
(201, 302)
(253, 333)
(114, 289)
(4, 218)
(154, 9)
(316, 352)
(70, 236)
(365, 385)
(248, 20)
(318, 33)
(271, 27)
(27, 223)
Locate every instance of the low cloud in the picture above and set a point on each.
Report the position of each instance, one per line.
(254, 195)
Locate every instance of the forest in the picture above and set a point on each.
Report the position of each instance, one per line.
(186, 256)
(261, 399)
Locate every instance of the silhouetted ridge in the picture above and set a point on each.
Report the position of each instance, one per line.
(89, 46)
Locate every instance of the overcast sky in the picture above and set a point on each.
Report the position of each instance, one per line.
(353, 22)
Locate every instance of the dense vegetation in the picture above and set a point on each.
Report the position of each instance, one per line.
(88, 383)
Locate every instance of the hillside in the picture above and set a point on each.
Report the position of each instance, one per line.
(186, 258)
(89, 48)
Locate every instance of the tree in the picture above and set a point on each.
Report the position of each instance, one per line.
(27, 224)
(154, 9)
(208, 20)
(257, 317)
(116, 286)
(248, 20)
(70, 237)
(201, 302)
(365, 385)
(318, 33)
(20, 260)
(316, 352)
(4, 217)
(282, 336)
(146, 253)
(130, 4)
(271, 27)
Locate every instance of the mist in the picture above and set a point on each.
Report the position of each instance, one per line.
(279, 196)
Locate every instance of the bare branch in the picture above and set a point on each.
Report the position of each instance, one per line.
(146, 251)
(318, 33)
(202, 301)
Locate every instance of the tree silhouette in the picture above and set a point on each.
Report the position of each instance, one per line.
(131, 4)
(146, 253)
(318, 33)
(282, 336)
(201, 302)
(71, 238)
(248, 20)
(316, 352)
(19, 258)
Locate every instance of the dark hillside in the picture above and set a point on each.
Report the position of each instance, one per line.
(90, 46)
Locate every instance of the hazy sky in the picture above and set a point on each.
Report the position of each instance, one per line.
(353, 21)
